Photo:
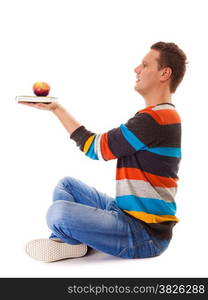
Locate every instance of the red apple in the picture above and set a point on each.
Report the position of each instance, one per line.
(41, 88)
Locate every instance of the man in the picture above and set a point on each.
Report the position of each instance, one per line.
(138, 222)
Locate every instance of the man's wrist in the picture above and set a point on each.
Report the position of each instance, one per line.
(57, 108)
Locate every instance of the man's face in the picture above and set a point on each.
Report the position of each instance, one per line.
(148, 75)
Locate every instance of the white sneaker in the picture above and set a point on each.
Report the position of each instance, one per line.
(49, 250)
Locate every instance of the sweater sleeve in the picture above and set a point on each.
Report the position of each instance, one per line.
(138, 133)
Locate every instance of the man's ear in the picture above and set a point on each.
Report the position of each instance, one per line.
(166, 73)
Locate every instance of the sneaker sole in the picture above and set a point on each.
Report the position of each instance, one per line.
(48, 250)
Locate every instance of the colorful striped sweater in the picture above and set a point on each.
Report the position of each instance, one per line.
(148, 153)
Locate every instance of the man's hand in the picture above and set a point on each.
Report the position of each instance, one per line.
(45, 106)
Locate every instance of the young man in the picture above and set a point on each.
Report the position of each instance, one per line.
(138, 222)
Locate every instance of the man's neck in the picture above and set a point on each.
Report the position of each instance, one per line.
(158, 98)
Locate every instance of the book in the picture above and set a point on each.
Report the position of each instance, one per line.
(36, 99)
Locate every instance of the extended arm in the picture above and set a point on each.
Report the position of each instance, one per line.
(67, 120)
(137, 134)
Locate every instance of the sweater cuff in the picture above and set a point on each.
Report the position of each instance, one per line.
(75, 134)
(80, 135)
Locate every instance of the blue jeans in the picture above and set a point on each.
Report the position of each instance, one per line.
(81, 214)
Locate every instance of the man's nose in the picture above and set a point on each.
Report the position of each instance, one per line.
(137, 69)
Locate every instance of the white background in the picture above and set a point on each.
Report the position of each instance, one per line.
(87, 51)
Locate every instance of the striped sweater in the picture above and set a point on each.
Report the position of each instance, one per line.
(148, 152)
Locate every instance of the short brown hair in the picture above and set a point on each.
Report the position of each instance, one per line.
(173, 57)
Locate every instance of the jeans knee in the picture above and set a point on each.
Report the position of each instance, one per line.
(65, 181)
(63, 189)
(55, 214)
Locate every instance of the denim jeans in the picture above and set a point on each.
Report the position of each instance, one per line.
(81, 214)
